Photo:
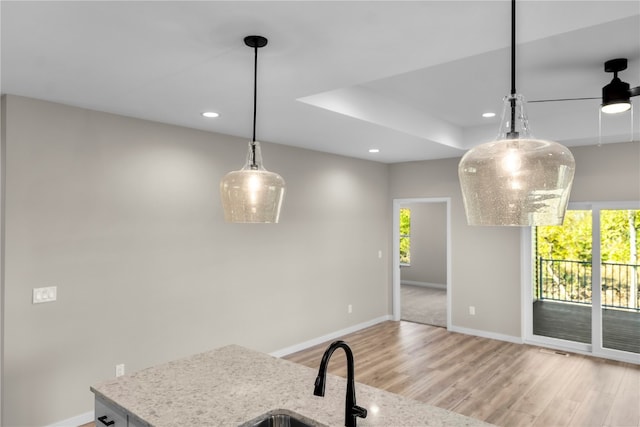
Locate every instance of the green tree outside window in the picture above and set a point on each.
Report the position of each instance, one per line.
(405, 236)
(563, 258)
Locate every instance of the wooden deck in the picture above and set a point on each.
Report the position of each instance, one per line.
(621, 329)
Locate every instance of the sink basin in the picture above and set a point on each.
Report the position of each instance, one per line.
(278, 419)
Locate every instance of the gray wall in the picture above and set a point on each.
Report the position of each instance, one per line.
(428, 244)
(486, 260)
(124, 217)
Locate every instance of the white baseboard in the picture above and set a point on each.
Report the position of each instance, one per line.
(76, 421)
(485, 334)
(425, 284)
(319, 340)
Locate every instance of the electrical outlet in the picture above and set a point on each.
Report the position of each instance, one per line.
(47, 294)
(349, 309)
(380, 254)
(472, 310)
(120, 370)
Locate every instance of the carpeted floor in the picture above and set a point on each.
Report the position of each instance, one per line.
(420, 304)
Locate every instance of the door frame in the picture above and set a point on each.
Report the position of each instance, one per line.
(527, 250)
(397, 203)
(3, 168)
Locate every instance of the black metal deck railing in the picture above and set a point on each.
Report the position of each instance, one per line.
(570, 281)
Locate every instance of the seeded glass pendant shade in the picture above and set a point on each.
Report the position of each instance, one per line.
(252, 194)
(516, 180)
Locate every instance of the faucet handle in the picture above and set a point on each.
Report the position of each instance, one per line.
(318, 389)
(359, 411)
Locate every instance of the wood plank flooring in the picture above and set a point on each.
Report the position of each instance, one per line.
(502, 383)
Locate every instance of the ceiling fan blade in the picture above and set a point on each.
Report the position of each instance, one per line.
(562, 99)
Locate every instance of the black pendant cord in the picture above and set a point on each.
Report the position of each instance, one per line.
(512, 132)
(255, 42)
(255, 102)
(513, 47)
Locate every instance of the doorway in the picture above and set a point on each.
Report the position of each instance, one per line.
(422, 261)
(584, 285)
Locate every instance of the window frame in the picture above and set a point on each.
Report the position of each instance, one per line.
(527, 250)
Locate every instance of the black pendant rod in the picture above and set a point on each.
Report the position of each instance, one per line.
(255, 90)
(255, 103)
(513, 47)
(255, 42)
(512, 132)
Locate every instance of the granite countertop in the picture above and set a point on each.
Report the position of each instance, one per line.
(232, 385)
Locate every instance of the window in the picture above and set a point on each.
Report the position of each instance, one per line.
(405, 236)
(564, 259)
(587, 279)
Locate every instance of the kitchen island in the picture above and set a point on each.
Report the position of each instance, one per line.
(232, 386)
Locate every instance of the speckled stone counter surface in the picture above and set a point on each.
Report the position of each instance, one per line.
(232, 385)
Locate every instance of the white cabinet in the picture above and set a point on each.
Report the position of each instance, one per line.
(110, 416)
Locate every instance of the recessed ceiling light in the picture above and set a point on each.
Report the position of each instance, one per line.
(374, 150)
(210, 114)
(488, 115)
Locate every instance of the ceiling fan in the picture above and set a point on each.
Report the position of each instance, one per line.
(616, 96)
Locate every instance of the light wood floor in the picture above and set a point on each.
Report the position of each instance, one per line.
(502, 383)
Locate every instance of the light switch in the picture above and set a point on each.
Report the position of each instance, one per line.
(47, 294)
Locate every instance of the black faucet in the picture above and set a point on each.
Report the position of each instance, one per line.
(351, 410)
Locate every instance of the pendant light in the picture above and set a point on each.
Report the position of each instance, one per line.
(516, 180)
(252, 194)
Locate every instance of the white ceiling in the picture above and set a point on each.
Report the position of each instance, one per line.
(408, 77)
